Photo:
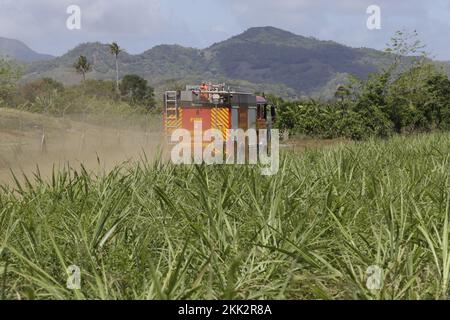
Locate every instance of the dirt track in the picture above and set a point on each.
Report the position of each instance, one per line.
(72, 143)
(67, 143)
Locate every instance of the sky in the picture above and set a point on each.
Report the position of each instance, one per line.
(138, 25)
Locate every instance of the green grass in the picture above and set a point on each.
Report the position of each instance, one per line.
(158, 231)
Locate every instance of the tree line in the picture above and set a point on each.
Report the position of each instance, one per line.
(409, 95)
(132, 88)
(132, 93)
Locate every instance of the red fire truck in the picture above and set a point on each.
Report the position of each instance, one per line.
(216, 106)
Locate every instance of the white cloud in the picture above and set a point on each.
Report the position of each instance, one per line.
(42, 24)
(345, 21)
(140, 24)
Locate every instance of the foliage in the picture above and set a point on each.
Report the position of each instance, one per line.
(42, 87)
(10, 73)
(342, 92)
(438, 108)
(96, 97)
(407, 96)
(115, 51)
(404, 44)
(136, 91)
(82, 66)
(160, 231)
(416, 100)
(312, 118)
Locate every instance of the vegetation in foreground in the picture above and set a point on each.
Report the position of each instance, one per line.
(159, 231)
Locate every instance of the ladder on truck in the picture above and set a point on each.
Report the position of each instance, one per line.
(171, 112)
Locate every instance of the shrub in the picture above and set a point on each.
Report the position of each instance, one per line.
(415, 100)
(136, 91)
(38, 88)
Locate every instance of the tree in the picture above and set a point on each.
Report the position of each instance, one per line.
(10, 73)
(135, 90)
(407, 49)
(342, 92)
(82, 66)
(41, 87)
(438, 87)
(408, 100)
(115, 50)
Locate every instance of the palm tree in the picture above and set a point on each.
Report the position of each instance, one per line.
(83, 66)
(341, 92)
(115, 50)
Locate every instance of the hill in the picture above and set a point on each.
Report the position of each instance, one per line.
(17, 50)
(262, 59)
(304, 64)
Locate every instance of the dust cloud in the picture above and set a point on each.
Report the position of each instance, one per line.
(29, 141)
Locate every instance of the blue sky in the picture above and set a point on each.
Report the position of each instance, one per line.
(140, 24)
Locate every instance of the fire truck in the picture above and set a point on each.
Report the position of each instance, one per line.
(217, 106)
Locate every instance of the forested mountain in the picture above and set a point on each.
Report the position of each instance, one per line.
(263, 59)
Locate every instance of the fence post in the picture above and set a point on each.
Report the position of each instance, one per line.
(43, 141)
